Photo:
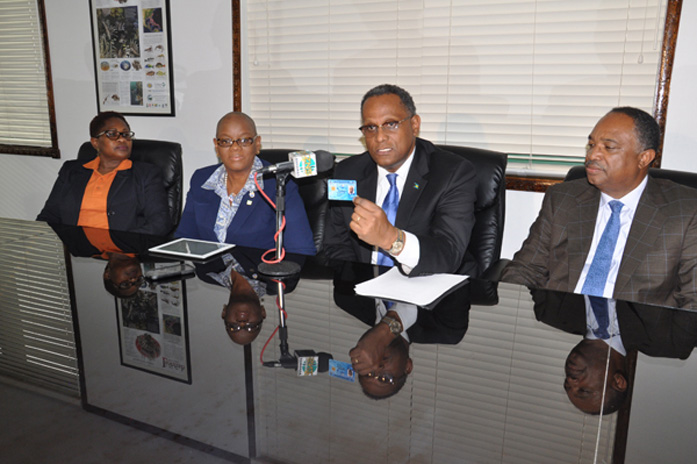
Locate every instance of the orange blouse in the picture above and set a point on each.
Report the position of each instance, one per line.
(93, 208)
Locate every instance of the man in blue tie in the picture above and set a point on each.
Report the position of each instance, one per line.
(415, 203)
(620, 233)
(414, 209)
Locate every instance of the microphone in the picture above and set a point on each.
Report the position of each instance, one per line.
(302, 163)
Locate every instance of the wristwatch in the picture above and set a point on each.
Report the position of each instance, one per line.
(398, 244)
(394, 325)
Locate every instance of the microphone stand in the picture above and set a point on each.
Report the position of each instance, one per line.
(286, 360)
(283, 268)
(279, 271)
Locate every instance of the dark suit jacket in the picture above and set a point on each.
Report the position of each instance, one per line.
(659, 265)
(652, 330)
(136, 201)
(78, 244)
(254, 225)
(437, 205)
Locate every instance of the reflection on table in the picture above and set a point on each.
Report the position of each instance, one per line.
(486, 383)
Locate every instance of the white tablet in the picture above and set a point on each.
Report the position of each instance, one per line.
(188, 248)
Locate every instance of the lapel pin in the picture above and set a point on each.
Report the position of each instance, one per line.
(416, 186)
(249, 202)
(251, 194)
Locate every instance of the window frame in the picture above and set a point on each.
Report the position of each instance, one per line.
(53, 151)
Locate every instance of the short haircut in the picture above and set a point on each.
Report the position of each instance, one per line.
(244, 116)
(99, 121)
(390, 89)
(646, 128)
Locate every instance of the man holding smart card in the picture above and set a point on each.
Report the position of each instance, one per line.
(412, 205)
(433, 196)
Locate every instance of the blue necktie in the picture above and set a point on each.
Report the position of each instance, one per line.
(600, 267)
(390, 206)
(599, 307)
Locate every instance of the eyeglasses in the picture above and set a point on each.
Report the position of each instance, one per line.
(370, 130)
(234, 327)
(113, 134)
(244, 142)
(383, 377)
(129, 284)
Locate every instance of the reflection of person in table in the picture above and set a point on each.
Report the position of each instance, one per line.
(381, 356)
(123, 275)
(610, 329)
(243, 314)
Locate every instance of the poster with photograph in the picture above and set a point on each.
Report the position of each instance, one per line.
(131, 40)
(153, 330)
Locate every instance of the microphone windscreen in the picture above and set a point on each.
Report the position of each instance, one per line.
(323, 362)
(325, 160)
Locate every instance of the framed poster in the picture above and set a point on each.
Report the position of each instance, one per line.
(132, 48)
(153, 330)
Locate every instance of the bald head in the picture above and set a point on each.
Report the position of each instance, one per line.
(238, 117)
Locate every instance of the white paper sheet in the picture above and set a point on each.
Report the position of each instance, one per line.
(421, 291)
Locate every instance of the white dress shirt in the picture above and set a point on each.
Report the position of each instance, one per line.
(615, 340)
(630, 202)
(409, 257)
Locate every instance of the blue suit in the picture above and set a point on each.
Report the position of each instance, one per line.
(254, 224)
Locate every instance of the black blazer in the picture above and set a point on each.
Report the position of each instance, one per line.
(136, 201)
(437, 205)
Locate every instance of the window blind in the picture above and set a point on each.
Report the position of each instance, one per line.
(25, 116)
(496, 396)
(37, 342)
(525, 77)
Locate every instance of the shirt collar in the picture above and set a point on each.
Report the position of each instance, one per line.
(218, 180)
(94, 165)
(403, 169)
(630, 200)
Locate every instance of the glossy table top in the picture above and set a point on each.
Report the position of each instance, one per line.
(486, 385)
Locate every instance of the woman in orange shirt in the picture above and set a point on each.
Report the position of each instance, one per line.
(111, 191)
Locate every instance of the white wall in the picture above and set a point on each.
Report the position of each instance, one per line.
(202, 51)
(661, 426)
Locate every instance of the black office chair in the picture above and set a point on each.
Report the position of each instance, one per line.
(688, 179)
(313, 191)
(490, 208)
(167, 156)
(489, 212)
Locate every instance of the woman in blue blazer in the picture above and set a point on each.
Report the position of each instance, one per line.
(224, 205)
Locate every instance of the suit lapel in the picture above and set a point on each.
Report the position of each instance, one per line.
(580, 234)
(415, 184)
(366, 187)
(643, 233)
(77, 192)
(248, 205)
(366, 184)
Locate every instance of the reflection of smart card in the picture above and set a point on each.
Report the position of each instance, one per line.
(342, 370)
(304, 163)
(341, 189)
